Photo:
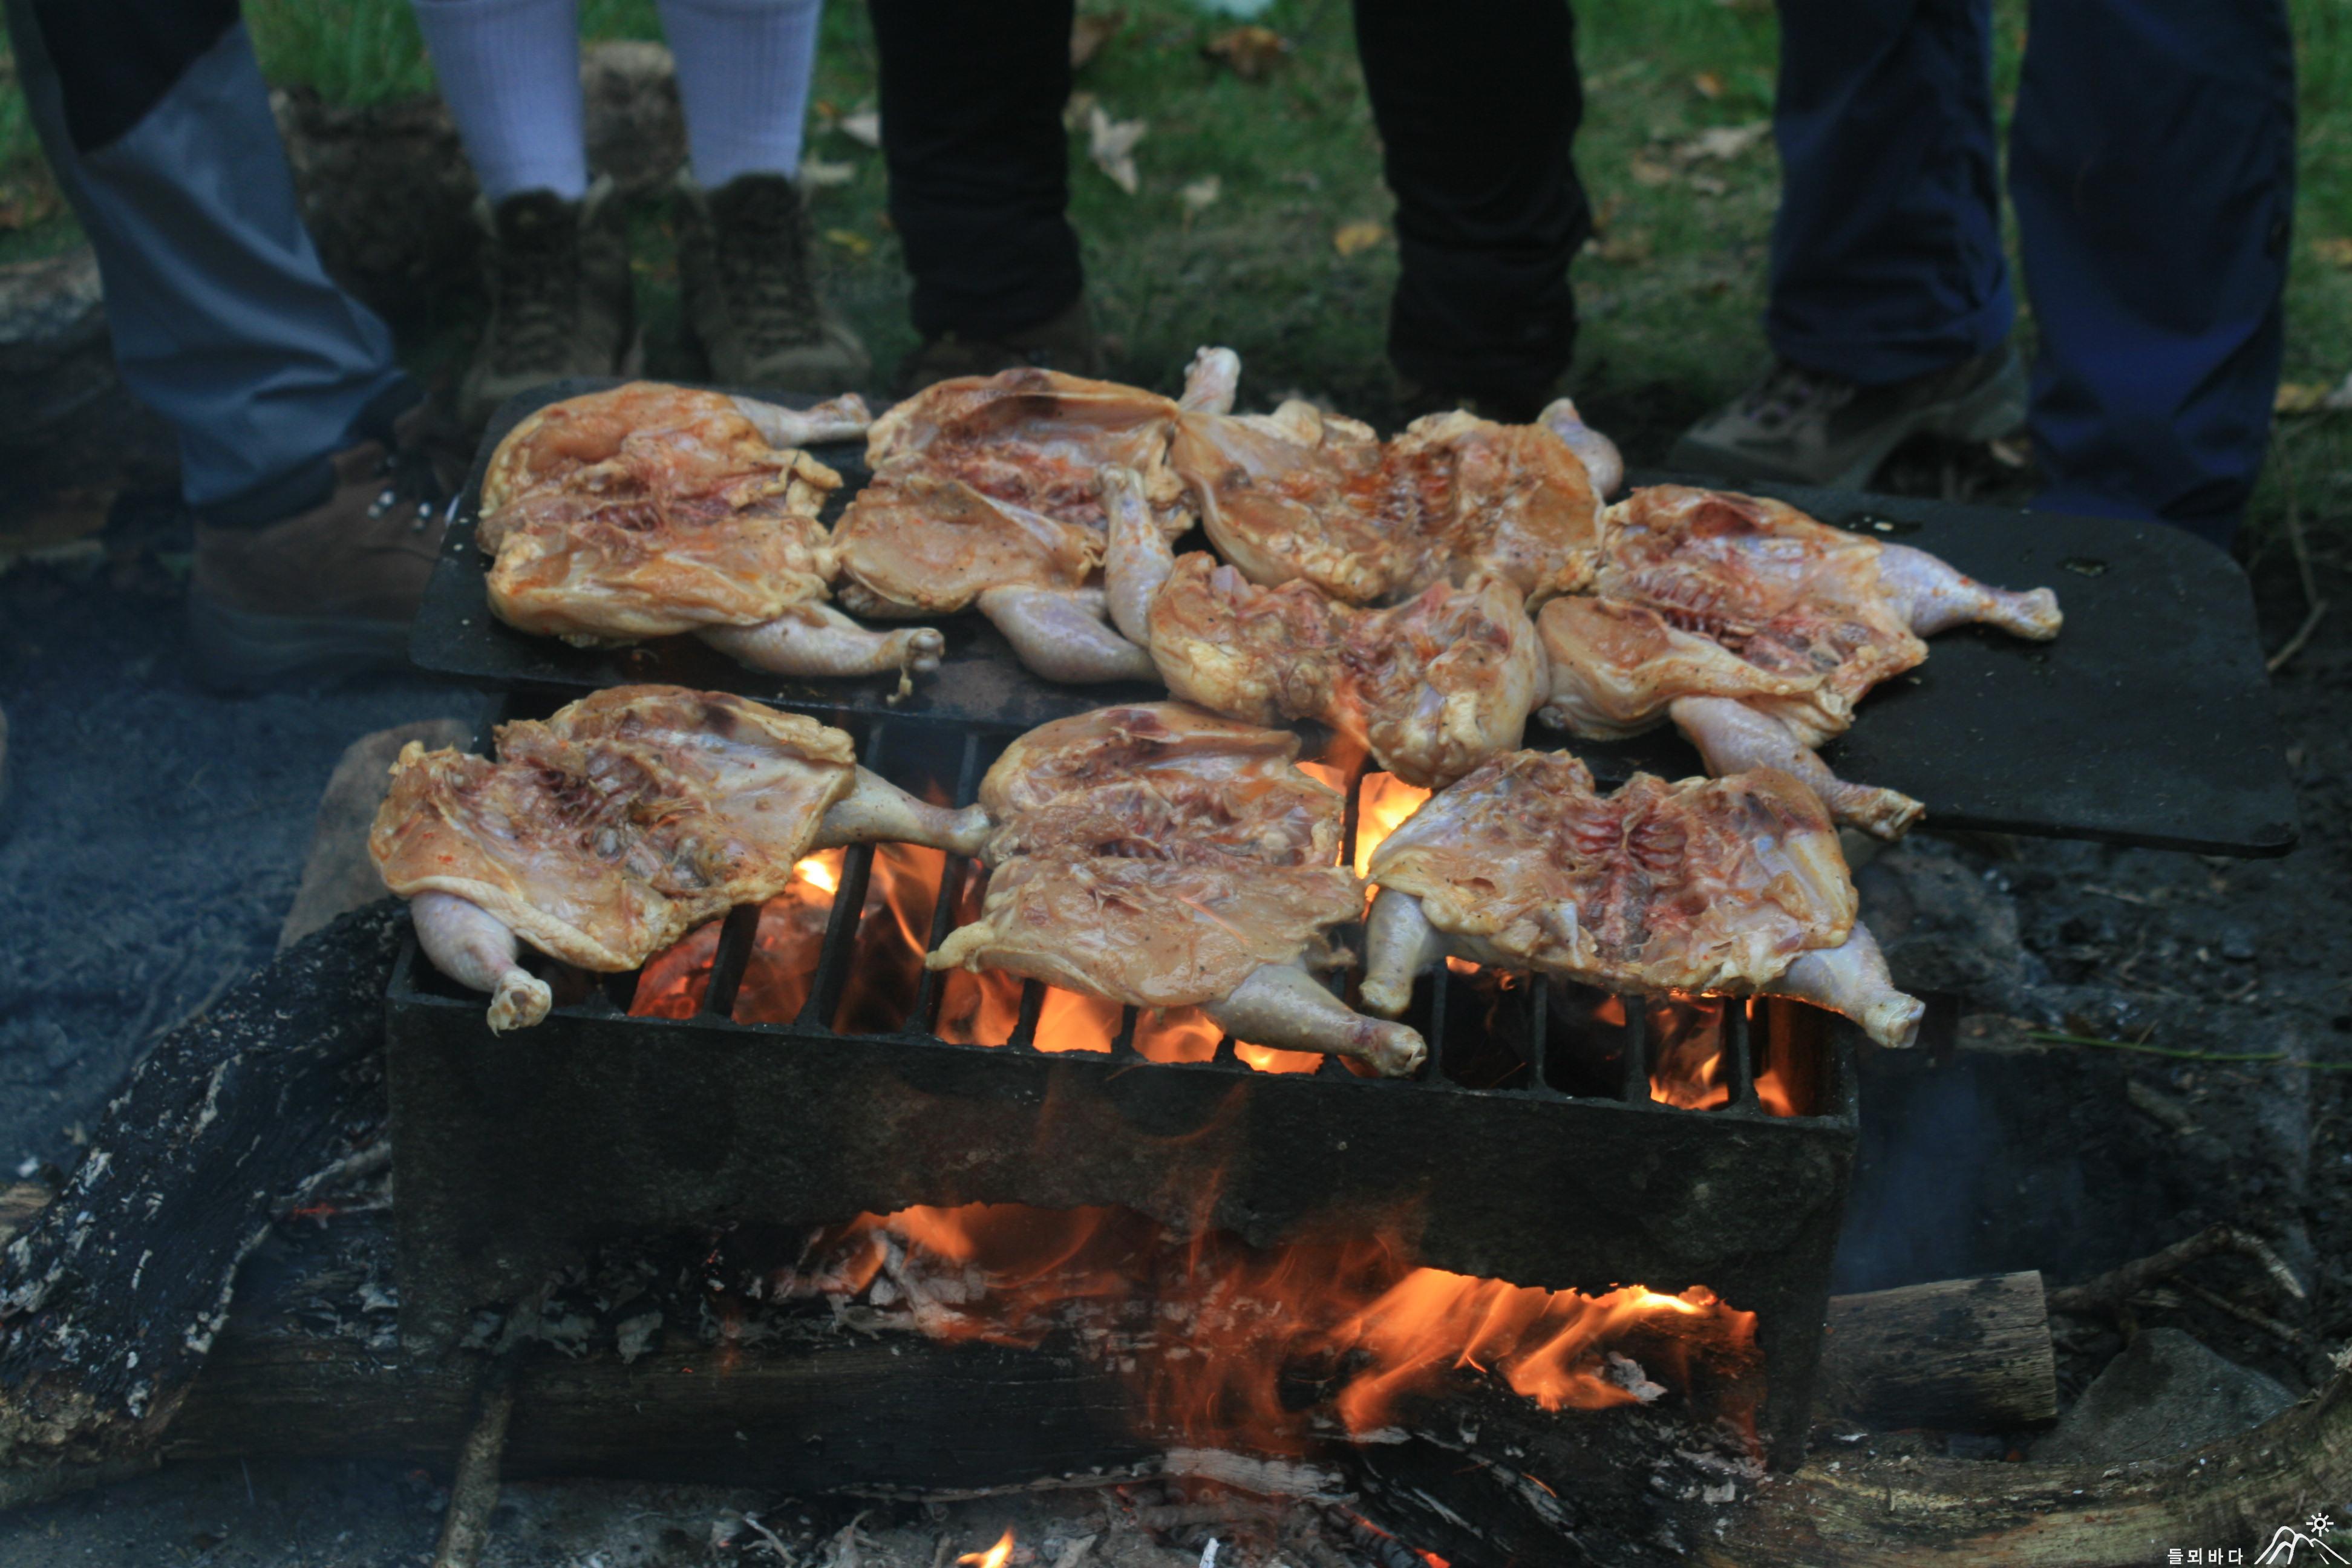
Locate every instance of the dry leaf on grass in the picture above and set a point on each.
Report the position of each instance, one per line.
(1724, 142)
(850, 240)
(1650, 172)
(1201, 195)
(2312, 397)
(1707, 185)
(1090, 32)
(1111, 144)
(23, 206)
(864, 126)
(816, 172)
(1352, 238)
(1250, 53)
(1707, 84)
(1627, 249)
(2335, 250)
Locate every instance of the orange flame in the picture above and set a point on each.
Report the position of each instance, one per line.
(1383, 803)
(995, 1556)
(1073, 1021)
(1772, 1093)
(782, 964)
(1238, 1329)
(1686, 1065)
(1176, 1035)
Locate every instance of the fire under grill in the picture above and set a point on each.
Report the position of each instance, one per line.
(805, 1069)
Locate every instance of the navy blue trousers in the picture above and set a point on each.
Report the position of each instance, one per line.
(2152, 169)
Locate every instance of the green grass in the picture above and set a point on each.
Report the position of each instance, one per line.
(1671, 299)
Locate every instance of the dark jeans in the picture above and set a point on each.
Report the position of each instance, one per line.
(1477, 100)
(2152, 168)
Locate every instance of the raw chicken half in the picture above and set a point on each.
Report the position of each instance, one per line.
(605, 832)
(650, 510)
(1756, 629)
(1157, 856)
(1731, 886)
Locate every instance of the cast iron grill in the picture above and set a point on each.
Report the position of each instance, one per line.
(1530, 1149)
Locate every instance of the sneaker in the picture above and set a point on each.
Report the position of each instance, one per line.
(558, 277)
(331, 589)
(1806, 427)
(750, 303)
(1066, 342)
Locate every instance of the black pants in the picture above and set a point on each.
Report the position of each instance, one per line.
(1477, 101)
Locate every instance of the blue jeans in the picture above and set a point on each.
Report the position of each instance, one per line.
(224, 320)
(2152, 169)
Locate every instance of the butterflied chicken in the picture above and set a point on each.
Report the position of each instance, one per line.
(1302, 494)
(1161, 856)
(1731, 886)
(1756, 629)
(985, 496)
(1430, 686)
(604, 833)
(651, 510)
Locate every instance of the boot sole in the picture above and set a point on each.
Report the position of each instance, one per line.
(1990, 409)
(237, 650)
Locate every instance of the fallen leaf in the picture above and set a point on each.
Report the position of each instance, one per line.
(817, 171)
(864, 126)
(1201, 195)
(1250, 53)
(1111, 144)
(1627, 249)
(1707, 84)
(2299, 397)
(1650, 172)
(850, 240)
(1724, 142)
(23, 206)
(2340, 399)
(1090, 32)
(2011, 451)
(1707, 185)
(2335, 251)
(1352, 237)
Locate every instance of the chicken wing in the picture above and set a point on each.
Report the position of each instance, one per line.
(1733, 885)
(604, 833)
(1756, 629)
(651, 510)
(1158, 857)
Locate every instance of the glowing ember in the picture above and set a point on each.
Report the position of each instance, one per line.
(1237, 1331)
(994, 1557)
(1382, 806)
(782, 963)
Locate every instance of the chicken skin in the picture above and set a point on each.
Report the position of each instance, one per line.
(605, 832)
(1303, 494)
(1725, 886)
(1430, 686)
(651, 510)
(1157, 856)
(1756, 629)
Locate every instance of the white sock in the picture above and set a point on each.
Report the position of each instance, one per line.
(743, 68)
(510, 70)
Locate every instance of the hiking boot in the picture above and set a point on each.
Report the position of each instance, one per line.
(332, 588)
(557, 273)
(1065, 342)
(1806, 427)
(750, 303)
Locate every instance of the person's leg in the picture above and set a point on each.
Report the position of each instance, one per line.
(971, 129)
(744, 267)
(1477, 107)
(1890, 304)
(510, 71)
(223, 320)
(2152, 162)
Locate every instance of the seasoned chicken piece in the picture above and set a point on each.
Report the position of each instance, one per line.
(1300, 493)
(985, 496)
(1430, 686)
(604, 833)
(1158, 857)
(651, 510)
(1756, 629)
(1731, 886)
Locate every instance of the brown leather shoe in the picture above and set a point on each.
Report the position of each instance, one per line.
(329, 590)
(1066, 342)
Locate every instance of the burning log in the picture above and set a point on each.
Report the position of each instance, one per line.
(112, 1296)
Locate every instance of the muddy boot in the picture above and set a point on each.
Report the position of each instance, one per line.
(1066, 342)
(558, 276)
(1805, 427)
(749, 301)
(333, 587)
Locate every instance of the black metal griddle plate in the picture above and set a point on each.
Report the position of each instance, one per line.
(2149, 721)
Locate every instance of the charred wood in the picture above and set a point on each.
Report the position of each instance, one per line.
(1960, 1355)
